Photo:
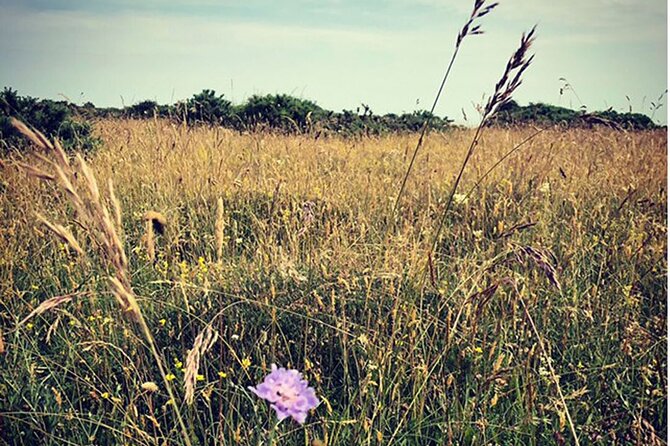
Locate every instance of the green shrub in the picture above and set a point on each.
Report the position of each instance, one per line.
(143, 109)
(207, 107)
(545, 114)
(56, 119)
(628, 121)
(280, 111)
(349, 122)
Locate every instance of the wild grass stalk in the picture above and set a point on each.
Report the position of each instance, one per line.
(471, 28)
(554, 375)
(203, 342)
(218, 228)
(504, 89)
(502, 94)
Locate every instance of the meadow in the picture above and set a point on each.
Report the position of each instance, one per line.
(541, 312)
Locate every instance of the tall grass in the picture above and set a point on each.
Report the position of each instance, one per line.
(277, 244)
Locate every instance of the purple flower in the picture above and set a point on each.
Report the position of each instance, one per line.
(289, 394)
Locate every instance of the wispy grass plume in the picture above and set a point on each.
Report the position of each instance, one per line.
(502, 94)
(471, 28)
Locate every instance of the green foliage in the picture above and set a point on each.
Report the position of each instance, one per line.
(283, 113)
(280, 111)
(352, 123)
(56, 119)
(513, 113)
(289, 114)
(633, 121)
(545, 114)
(143, 109)
(207, 107)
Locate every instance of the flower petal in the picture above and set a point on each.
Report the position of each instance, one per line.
(281, 412)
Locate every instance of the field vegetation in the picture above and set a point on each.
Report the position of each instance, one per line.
(543, 305)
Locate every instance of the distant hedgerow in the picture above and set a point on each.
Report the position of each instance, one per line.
(545, 114)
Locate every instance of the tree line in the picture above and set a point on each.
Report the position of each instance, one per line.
(70, 122)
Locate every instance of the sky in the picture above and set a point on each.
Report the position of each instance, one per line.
(390, 55)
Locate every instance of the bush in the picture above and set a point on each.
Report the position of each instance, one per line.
(628, 121)
(207, 107)
(544, 114)
(512, 113)
(143, 109)
(352, 123)
(56, 119)
(280, 111)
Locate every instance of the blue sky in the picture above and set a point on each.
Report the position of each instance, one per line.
(340, 53)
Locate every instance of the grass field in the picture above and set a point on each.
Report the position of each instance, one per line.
(543, 308)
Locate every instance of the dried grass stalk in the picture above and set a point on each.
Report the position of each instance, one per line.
(60, 153)
(218, 227)
(90, 179)
(203, 342)
(46, 306)
(116, 206)
(126, 298)
(62, 233)
(64, 179)
(36, 172)
(149, 240)
(34, 136)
